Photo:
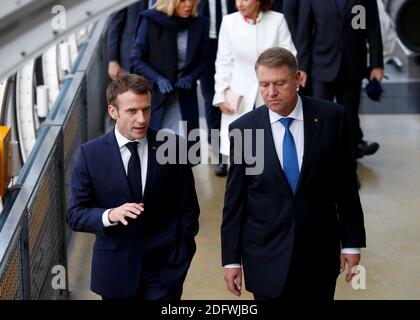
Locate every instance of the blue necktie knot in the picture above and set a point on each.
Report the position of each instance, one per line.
(286, 122)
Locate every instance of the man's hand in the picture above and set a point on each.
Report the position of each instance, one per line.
(127, 210)
(233, 278)
(351, 260)
(377, 73)
(226, 108)
(303, 78)
(114, 70)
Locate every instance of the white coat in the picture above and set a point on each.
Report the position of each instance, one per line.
(240, 44)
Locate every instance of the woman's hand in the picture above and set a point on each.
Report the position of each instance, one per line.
(164, 85)
(184, 83)
(226, 108)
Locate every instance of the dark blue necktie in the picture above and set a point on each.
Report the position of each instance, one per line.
(134, 172)
(290, 159)
(340, 5)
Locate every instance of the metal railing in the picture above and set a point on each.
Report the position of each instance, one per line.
(34, 235)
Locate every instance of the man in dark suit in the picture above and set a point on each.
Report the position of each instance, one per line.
(298, 223)
(121, 36)
(332, 44)
(290, 9)
(144, 213)
(214, 10)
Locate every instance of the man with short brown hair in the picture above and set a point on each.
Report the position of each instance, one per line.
(144, 213)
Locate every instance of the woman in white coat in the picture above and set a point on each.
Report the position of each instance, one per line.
(243, 36)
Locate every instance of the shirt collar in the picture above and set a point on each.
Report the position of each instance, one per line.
(296, 114)
(251, 21)
(122, 141)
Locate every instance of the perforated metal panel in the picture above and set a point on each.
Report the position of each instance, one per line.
(39, 214)
(74, 134)
(46, 225)
(11, 278)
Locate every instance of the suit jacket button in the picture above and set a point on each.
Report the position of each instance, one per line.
(292, 230)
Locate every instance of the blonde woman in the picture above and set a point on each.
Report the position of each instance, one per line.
(170, 51)
(243, 36)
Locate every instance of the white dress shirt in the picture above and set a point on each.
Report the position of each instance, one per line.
(212, 9)
(296, 128)
(125, 157)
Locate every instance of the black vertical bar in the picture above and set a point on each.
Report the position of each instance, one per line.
(62, 206)
(24, 254)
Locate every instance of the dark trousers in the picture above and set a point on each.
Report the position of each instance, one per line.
(347, 93)
(301, 282)
(298, 290)
(151, 286)
(153, 293)
(213, 114)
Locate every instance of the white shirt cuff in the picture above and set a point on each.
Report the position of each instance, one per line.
(351, 250)
(232, 266)
(105, 220)
(218, 98)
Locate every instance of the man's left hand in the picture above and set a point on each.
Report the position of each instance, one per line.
(351, 260)
(377, 73)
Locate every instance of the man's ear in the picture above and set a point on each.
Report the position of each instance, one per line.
(113, 112)
(297, 78)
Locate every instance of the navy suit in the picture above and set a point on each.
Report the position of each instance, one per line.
(122, 32)
(334, 43)
(335, 53)
(158, 246)
(291, 12)
(289, 243)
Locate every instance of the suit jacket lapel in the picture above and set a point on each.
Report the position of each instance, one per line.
(312, 124)
(336, 8)
(117, 164)
(342, 17)
(270, 150)
(151, 164)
